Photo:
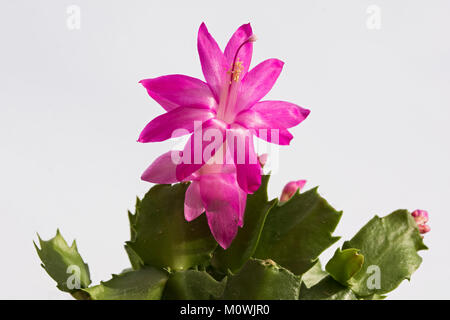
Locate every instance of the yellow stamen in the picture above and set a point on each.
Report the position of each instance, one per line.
(236, 70)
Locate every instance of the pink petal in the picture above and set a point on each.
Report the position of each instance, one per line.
(211, 135)
(248, 169)
(245, 53)
(213, 61)
(193, 204)
(265, 116)
(221, 198)
(274, 114)
(162, 170)
(168, 125)
(173, 91)
(258, 82)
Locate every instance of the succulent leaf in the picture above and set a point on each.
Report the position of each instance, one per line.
(296, 232)
(262, 280)
(389, 245)
(193, 285)
(327, 289)
(314, 275)
(163, 238)
(344, 265)
(63, 263)
(143, 284)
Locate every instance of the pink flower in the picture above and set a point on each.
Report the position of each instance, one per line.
(290, 189)
(222, 115)
(421, 218)
(228, 104)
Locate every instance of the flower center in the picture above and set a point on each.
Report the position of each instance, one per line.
(236, 70)
(229, 92)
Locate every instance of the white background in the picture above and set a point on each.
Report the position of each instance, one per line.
(71, 110)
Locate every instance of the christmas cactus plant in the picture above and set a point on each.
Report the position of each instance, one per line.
(208, 230)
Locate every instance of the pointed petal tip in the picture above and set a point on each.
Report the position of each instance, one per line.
(224, 245)
(247, 27)
(203, 27)
(145, 177)
(276, 61)
(287, 140)
(305, 112)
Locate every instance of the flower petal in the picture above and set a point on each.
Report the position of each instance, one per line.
(270, 119)
(277, 114)
(163, 169)
(201, 147)
(221, 198)
(245, 53)
(240, 146)
(168, 125)
(257, 83)
(213, 61)
(173, 91)
(193, 204)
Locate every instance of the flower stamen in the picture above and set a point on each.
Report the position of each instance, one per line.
(236, 70)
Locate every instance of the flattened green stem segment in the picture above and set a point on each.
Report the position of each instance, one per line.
(63, 263)
(344, 265)
(327, 289)
(244, 245)
(313, 275)
(262, 279)
(193, 285)
(296, 232)
(389, 245)
(161, 237)
(143, 284)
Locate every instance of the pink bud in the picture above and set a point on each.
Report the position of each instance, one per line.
(262, 159)
(424, 228)
(290, 189)
(421, 218)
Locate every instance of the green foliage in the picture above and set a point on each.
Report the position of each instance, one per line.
(313, 275)
(274, 256)
(193, 285)
(296, 232)
(262, 280)
(389, 245)
(63, 263)
(142, 284)
(160, 235)
(327, 289)
(344, 265)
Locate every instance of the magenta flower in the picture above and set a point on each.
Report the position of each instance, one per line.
(222, 115)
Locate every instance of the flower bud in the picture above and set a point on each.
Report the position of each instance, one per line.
(424, 228)
(290, 189)
(262, 159)
(421, 218)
